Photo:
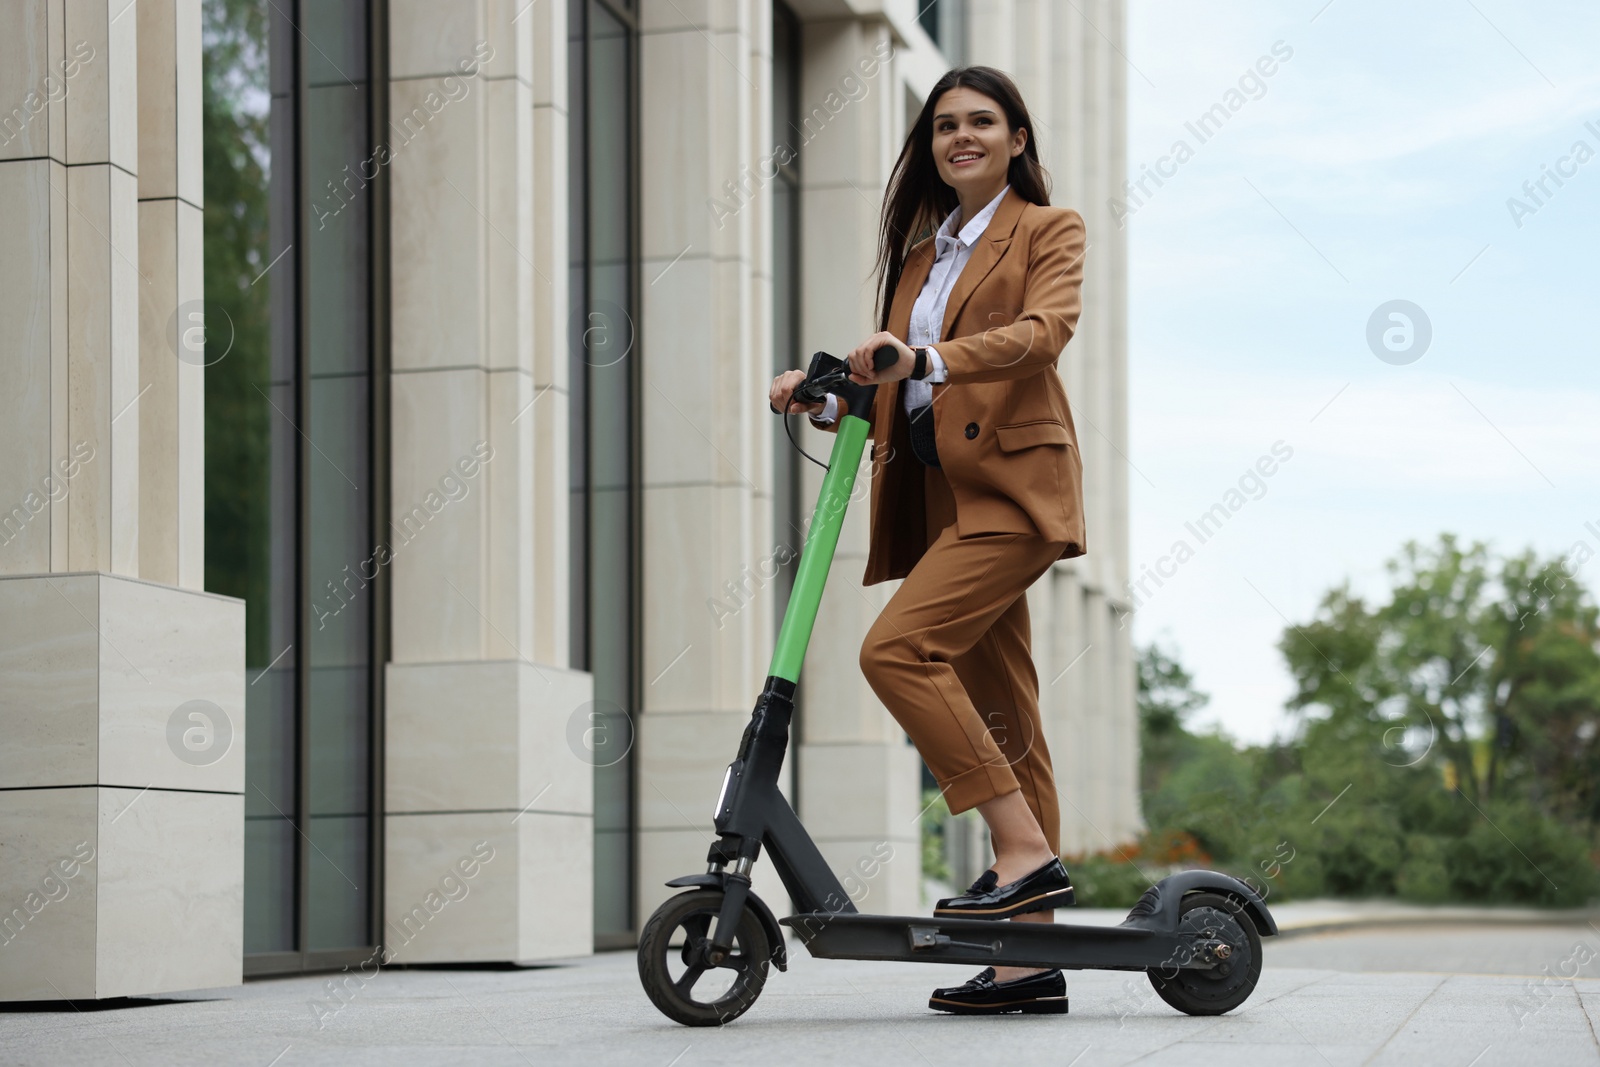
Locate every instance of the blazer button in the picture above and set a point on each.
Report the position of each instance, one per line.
(972, 430)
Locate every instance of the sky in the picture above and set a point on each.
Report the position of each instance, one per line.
(1374, 164)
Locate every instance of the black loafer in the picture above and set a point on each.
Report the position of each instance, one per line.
(1037, 994)
(1048, 887)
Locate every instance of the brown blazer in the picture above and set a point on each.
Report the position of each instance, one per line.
(1002, 424)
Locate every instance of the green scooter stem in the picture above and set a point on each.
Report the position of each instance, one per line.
(822, 537)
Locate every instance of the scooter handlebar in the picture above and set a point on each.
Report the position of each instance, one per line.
(819, 385)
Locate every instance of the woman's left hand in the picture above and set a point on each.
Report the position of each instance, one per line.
(860, 360)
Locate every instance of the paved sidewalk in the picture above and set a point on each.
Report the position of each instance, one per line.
(1355, 995)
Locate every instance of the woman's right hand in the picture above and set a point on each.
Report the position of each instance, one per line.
(783, 387)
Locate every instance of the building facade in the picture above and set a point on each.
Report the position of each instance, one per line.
(395, 530)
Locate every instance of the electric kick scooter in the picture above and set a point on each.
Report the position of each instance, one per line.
(705, 954)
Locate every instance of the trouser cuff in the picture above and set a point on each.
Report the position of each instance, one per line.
(984, 782)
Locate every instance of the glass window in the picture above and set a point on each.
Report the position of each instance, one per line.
(929, 17)
(945, 21)
(336, 471)
(290, 456)
(602, 366)
(788, 517)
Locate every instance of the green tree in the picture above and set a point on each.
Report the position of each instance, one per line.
(1166, 698)
(236, 157)
(1544, 691)
(1455, 722)
(1193, 783)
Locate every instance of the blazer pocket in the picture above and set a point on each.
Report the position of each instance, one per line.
(1028, 434)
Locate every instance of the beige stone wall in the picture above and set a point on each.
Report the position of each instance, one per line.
(121, 684)
(121, 788)
(478, 693)
(171, 410)
(100, 166)
(705, 321)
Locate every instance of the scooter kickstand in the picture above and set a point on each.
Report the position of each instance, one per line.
(930, 937)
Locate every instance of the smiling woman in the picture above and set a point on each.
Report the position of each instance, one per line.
(981, 488)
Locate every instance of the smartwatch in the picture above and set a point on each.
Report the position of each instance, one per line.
(919, 369)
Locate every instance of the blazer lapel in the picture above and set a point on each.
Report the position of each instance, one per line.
(991, 246)
(919, 263)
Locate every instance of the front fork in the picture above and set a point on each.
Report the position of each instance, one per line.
(736, 889)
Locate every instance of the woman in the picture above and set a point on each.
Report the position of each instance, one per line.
(977, 488)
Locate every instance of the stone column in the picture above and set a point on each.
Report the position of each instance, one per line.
(859, 776)
(704, 337)
(1130, 814)
(171, 406)
(1074, 80)
(479, 696)
(547, 25)
(122, 714)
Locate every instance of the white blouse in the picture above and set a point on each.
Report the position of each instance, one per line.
(952, 251)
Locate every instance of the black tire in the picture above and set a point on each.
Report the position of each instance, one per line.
(694, 913)
(1229, 984)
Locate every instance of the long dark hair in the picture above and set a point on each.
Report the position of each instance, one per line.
(918, 199)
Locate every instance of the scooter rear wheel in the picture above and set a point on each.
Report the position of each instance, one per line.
(679, 978)
(1205, 917)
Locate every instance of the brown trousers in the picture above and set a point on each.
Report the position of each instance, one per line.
(951, 658)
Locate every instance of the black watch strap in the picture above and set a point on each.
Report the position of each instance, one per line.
(919, 369)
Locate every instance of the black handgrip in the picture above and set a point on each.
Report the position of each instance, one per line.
(882, 359)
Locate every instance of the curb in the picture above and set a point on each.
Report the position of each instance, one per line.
(1484, 917)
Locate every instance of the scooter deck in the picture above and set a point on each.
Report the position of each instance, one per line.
(923, 939)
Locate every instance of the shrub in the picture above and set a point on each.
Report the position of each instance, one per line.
(1105, 881)
(1515, 855)
(935, 812)
(1424, 876)
(1118, 877)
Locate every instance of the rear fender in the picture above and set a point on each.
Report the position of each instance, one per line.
(1158, 908)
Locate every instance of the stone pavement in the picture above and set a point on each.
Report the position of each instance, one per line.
(1350, 985)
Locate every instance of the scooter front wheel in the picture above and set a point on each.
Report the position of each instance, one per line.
(676, 969)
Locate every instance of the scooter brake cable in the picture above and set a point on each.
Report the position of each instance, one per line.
(787, 429)
(830, 379)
